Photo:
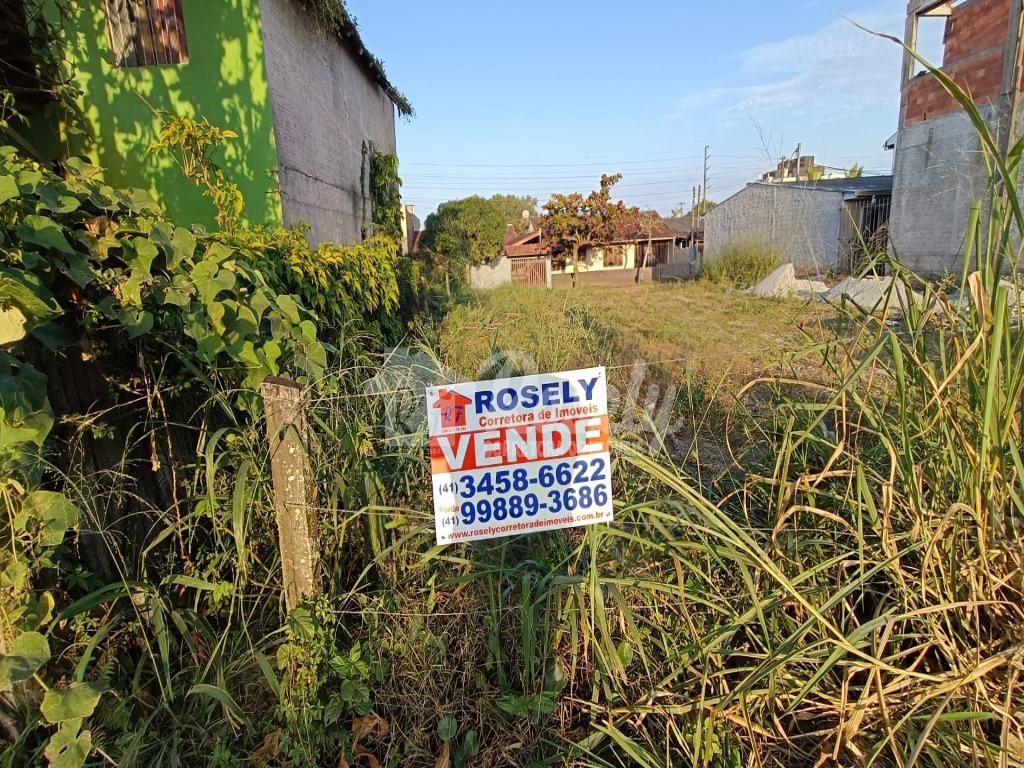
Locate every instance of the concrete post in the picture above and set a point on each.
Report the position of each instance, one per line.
(294, 490)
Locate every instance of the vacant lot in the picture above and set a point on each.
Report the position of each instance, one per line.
(680, 352)
(695, 328)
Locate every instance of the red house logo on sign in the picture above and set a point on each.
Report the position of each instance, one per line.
(453, 408)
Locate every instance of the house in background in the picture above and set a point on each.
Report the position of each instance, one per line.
(411, 229)
(817, 226)
(691, 230)
(651, 251)
(308, 102)
(938, 167)
(526, 260)
(800, 168)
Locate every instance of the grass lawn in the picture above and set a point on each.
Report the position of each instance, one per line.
(699, 344)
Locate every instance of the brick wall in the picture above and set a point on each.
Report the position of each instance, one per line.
(976, 37)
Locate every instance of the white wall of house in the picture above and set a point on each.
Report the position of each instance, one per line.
(325, 105)
(802, 224)
(593, 259)
(492, 274)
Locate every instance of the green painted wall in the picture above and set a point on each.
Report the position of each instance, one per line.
(224, 81)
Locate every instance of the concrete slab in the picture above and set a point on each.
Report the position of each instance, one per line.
(780, 282)
(783, 282)
(871, 292)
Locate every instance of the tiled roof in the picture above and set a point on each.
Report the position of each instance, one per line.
(659, 230)
(531, 249)
(681, 225)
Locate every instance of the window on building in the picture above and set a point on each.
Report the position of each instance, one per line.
(146, 33)
(649, 254)
(931, 41)
(614, 256)
(19, 72)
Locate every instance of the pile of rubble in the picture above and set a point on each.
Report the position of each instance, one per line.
(868, 292)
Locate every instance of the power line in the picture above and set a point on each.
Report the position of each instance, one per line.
(737, 155)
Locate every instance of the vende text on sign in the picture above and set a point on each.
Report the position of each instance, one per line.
(520, 455)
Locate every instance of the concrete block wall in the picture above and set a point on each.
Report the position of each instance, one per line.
(324, 106)
(938, 176)
(802, 224)
(492, 274)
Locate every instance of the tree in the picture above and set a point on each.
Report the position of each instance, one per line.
(465, 233)
(855, 172)
(573, 221)
(648, 221)
(815, 172)
(512, 207)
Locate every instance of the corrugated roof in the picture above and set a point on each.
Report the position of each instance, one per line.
(862, 185)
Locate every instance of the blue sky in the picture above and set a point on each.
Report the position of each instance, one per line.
(538, 97)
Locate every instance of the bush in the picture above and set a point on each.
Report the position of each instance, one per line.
(741, 264)
(129, 347)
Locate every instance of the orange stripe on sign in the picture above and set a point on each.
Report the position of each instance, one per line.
(519, 445)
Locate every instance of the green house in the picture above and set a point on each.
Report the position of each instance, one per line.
(291, 77)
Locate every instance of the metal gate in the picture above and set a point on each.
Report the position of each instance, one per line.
(530, 271)
(864, 231)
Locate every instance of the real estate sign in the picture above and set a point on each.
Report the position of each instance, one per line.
(520, 455)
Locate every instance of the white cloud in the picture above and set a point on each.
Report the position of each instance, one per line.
(834, 72)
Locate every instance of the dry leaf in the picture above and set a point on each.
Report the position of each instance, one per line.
(266, 754)
(371, 725)
(371, 759)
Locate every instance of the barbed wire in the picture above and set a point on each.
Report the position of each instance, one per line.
(423, 515)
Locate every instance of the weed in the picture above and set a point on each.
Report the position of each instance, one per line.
(741, 264)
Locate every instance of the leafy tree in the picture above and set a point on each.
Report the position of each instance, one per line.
(512, 207)
(573, 221)
(815, 173)
(855, 172)
(464, 233)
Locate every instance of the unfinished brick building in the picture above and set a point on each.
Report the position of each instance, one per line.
(938, 167)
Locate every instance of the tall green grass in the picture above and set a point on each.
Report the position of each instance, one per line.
(741, 264)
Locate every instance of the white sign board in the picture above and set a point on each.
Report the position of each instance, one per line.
(520, 455)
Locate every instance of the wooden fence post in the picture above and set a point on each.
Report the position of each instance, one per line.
(294, 489)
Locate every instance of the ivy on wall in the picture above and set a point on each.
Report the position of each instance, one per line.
(385, 194)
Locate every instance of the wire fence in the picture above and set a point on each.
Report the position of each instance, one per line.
(420, 391)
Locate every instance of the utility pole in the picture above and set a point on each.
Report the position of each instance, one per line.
(799, 150)
(704, 186)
